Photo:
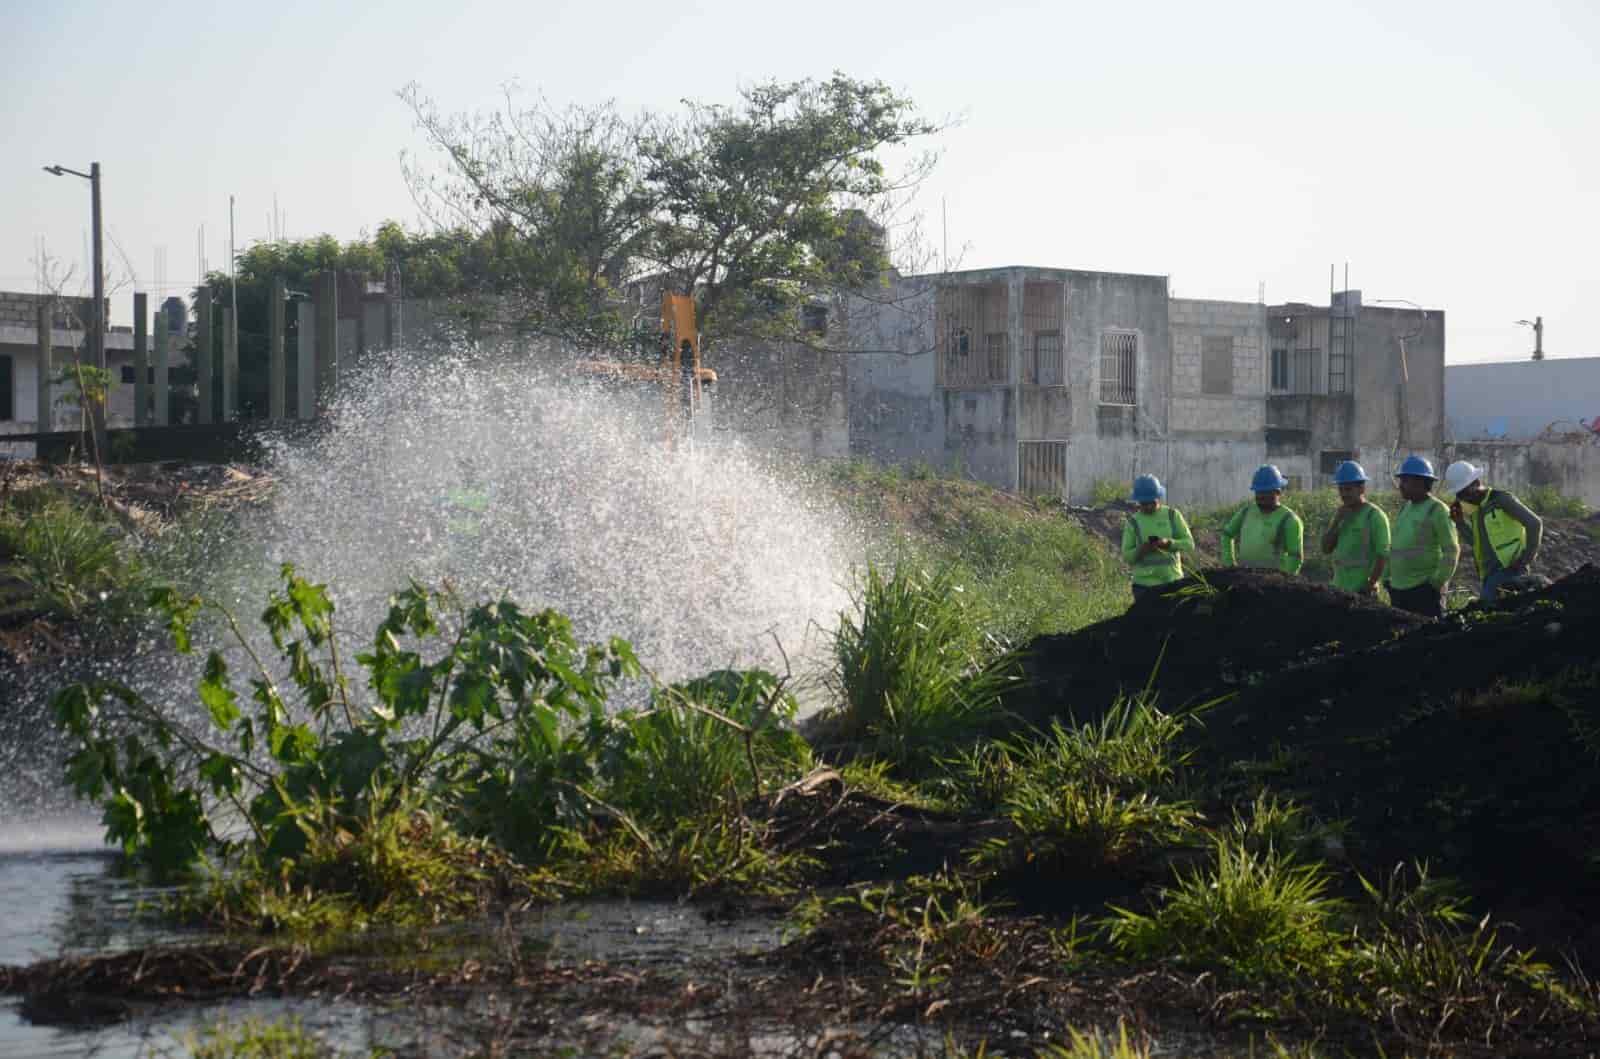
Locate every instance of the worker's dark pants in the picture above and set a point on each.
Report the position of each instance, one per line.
(1424, 599)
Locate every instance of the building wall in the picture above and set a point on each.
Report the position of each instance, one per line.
(1519, 400)
(1571, 466)
(1377, 425)
(1241, 412)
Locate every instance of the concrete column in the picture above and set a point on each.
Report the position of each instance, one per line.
(1016, 292)
(163, 365)
(202, 355)
(47, 367)
(141, 360)
(327, 337)
(306, 360)
(277, 379)
(230, 366)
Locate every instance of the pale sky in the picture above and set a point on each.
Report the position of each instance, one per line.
(1448, 151)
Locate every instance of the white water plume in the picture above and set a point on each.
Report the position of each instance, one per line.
(502, 479)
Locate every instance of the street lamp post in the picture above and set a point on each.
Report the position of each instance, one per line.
(1537, 323)
(97, 323)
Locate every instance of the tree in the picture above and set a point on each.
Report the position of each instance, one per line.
(752, 208)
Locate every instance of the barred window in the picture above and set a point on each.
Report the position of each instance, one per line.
(1280, 370)
(1119, 362)
(1042, 468)
(996, 350)
(1045, 366)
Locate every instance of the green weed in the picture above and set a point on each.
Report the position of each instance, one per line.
(70, 562)
(1259, 915)
(253, 1038)
(1108, 491)
(1094, 1044)
(1548, 502)
(912, 673)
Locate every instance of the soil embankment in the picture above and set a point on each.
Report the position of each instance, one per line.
(1471, 743)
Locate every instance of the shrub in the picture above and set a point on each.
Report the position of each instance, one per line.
(913, 674)
(1548, 502)
(1108, 491)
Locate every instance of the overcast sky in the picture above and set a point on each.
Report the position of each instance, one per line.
(1449, 152)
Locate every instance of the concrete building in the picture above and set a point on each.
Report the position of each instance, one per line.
(1352, 381)
(1530, 423)
(19, 367)
(1046, 381)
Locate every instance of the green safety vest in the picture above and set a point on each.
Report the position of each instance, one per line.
(1263, 538)
(1505, 535)
(1351, 569)
(1422, 533)
(1157, 567)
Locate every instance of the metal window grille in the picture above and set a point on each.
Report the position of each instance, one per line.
(962, 312)
(1308, 377)
(1042, 468)
(996, 353)
(1338, 353)
(1046, 366)
(1216, 364)
(1119, 363)
(1280, 370)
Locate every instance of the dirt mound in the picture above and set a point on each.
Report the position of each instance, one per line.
(1200, 638)
(1472, 743)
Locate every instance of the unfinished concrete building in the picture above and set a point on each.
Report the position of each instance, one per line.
(1047, 381)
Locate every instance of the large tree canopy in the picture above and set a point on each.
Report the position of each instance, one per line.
(752, 208)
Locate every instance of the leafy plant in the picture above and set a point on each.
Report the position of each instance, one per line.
(1108, 491)
(1549, 502)
(70, 562)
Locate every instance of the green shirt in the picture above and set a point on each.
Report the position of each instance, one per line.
(1363, 540)
(1157, 567)
(1265, 542)
(1423, 549)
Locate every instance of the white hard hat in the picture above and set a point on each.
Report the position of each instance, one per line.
(1459, 475)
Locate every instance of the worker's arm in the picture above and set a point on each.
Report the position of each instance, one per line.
(1530, 522)
(1131, 553)
(1294, 545)
(1380, 548)
(1330, 536)
(1182, 539)
(1444, 531)
(1228, 535)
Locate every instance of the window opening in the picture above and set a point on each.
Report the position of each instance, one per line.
(1118, 367)
(1216, 364)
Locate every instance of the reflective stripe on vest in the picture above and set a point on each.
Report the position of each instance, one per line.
(1425, 542)
(1157, 558)
(1279, 537)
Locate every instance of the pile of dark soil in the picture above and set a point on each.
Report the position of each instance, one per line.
(1199, 639)
(1472, 743)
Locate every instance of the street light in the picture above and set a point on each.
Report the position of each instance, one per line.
(1537, 323)
(97, 323)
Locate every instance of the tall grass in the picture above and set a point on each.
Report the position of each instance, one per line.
(68, 561)
(1549, 502)
(913, 673)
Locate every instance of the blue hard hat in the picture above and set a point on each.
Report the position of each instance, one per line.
(1416, 467)
(1268, 479)
(1349, 473)
(1148, 487)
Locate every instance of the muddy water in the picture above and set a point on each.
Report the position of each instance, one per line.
(61, 895)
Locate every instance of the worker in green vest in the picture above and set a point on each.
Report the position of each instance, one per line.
(1503, 533)
(1265, 535)
(1154, 538)
(1358, 537)
(1423, 549)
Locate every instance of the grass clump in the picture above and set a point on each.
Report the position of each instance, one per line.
(1547, 501)
(912, 672)
(255, 1038)
(1258, 915)
(69, 561)
(1087, 797)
